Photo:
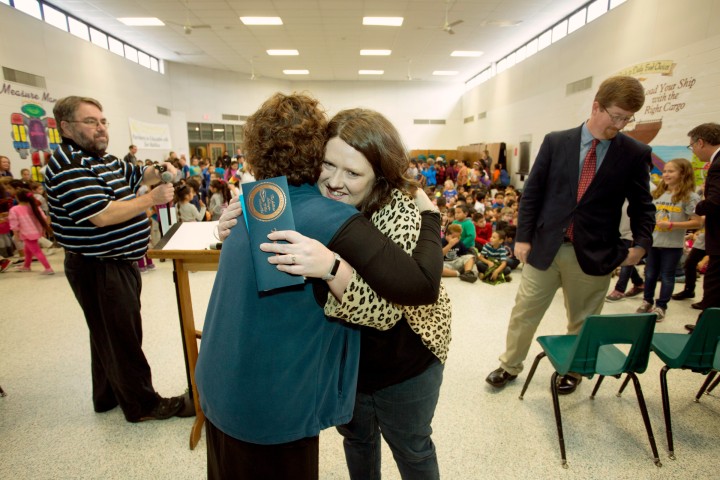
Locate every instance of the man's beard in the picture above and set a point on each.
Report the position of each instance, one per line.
(93, 145)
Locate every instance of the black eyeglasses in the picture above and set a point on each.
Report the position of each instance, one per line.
(690, 147)
(619, 118)
(92, 122)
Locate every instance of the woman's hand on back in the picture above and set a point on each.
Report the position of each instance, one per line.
(228, 219)
(423, 201)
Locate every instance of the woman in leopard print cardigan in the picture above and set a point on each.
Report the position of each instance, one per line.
(402, 348)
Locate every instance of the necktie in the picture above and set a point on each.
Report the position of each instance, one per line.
(586, 176)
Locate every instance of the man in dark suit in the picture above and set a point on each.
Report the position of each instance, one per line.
(568, 232)
(705, 144)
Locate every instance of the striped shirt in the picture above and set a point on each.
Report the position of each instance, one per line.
(81, 185)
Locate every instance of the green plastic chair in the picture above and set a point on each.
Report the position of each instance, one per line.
(699, 352)
(594, 351)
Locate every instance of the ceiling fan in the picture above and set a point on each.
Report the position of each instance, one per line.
(447, 26)
(187, 26)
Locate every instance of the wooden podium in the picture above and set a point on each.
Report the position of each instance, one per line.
(186, 244)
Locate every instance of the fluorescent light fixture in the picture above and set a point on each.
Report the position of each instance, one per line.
(141, 21)
(296, 72)
(261, 20)
(466, 53)
(218, 129)
(445, 72)
(375, 52)
(282, 52)
(383, 21)
(371, 72)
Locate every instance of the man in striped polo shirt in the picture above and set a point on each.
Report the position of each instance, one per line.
(103, 227)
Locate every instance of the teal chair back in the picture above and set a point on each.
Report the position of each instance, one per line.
(595, 350)
(701, 351)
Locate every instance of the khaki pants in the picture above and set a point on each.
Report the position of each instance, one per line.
(584, 295)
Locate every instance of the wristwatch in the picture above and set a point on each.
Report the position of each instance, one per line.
(333, 271)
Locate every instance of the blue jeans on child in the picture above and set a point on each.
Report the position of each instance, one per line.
(661, 264)
(402, 413)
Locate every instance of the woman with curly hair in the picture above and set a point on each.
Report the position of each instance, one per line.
(273, 370)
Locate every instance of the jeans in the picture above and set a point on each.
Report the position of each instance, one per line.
(690, 267)
(628, 272)
(402, 413)
(661, 264)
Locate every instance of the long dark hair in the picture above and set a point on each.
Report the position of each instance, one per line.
(222, 188)
(26, 196)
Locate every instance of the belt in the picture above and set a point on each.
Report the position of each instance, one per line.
(90, 258)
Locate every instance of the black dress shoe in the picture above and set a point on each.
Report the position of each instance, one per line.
(499, 378)
(683, 295)
(697, 306)
(690, 327)
(567, 384)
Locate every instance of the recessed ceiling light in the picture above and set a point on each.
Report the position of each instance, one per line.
(375, 52)
(296, 72)
(261, 20)
(371, 72)
(282, 52)
(383, 21)
(445, 72)
(466, 53)
(141, 21)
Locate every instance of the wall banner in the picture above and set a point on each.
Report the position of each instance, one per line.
(150, 135)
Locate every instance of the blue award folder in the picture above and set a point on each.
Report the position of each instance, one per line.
(266, 208)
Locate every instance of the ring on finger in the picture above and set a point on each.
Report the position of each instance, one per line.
(293, 260)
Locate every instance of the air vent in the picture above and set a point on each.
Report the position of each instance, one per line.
(419, 121)
(437, 122)
(234, 118)
(426, 121)
(163, 111)
(579, 86)
(469, 119)
(25, 78)
(482, 115)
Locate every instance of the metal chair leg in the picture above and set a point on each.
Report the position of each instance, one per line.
(666, 410)
(622, 387)
(646, 418)
(558, 418)
(705, 384)
(597, 386)
(539, 357)
(712, 387)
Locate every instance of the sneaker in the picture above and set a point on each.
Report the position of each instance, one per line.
(142, 269)
(151, 266)
(615, 296)
(635, 290)
(48, 271)
(660, 312)
(180, 406)
(645, 307)
(4, 264)
(21, 269)
(468, 277)
(683, 295)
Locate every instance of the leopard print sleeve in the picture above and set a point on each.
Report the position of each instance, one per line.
(399, 220)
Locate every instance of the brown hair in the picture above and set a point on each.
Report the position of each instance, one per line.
(622, 91)
(286, 136)
(371, 134)
(65, 108)
(707, 132)
(687, 181)
(454, 228)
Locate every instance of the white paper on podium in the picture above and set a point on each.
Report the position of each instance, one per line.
(193, 236)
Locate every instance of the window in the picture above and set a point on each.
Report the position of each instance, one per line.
(54, 17)
(577, 20)
(131, 53)
(559, 31)
(531, 48)
(544, 40)
(143, 59)
(116, 46)
(79, 29)
(615, 3)
(98, 38)
(596, 9)
(31, 7)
